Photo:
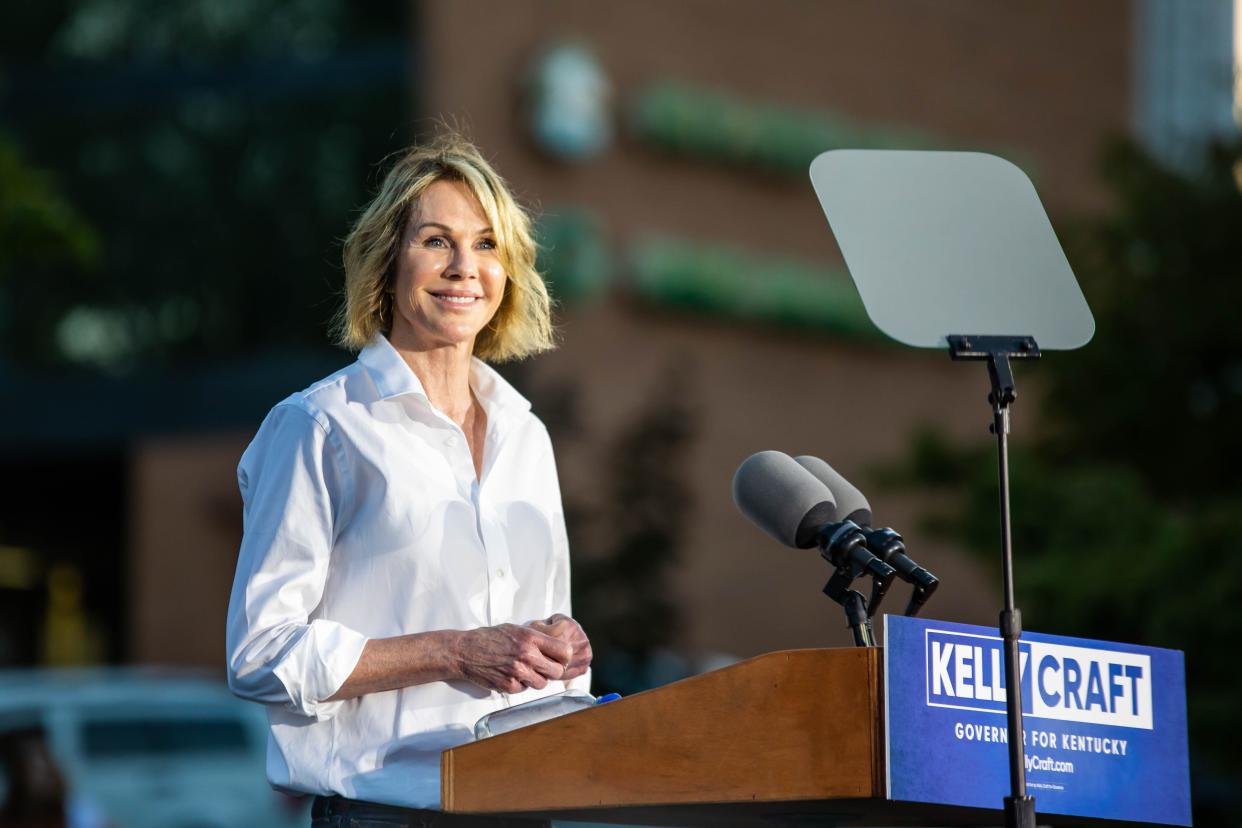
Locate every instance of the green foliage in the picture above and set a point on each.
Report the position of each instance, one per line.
(43, 239)
(38, 227)
(219, 151)
(1160, 386)
(1127, 505)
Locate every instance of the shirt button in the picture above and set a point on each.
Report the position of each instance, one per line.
(500, 573)
(450, 442)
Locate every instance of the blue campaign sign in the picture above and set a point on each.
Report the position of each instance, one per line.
(1105, 724)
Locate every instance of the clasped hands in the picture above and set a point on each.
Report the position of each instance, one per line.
(511, 658)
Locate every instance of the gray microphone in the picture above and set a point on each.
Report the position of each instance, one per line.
(884, 543)
(794, 507)
(851, 504)
(788, 503)
(783, 499)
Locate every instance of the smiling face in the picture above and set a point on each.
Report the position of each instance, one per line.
(449, 279)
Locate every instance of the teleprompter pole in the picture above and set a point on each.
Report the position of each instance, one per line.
(997, 350)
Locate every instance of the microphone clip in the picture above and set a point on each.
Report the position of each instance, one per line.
(889, 547)
(844, 546)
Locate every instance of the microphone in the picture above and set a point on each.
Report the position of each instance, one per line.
(783, 499)
(791, 506)
(884, 542)
(850, 501)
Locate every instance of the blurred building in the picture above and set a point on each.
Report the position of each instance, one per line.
(696, 123)
(665, 146)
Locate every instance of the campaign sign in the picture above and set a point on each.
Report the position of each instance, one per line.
(1105, 724)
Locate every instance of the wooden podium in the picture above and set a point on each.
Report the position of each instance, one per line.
(787, 727)
(788, 738)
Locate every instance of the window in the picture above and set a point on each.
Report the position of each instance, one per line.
(127, 738)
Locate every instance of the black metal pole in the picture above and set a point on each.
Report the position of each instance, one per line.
(859, 621)
(1019, 806)
(997, 350)
(854, 604)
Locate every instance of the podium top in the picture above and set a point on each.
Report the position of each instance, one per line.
(787, 726)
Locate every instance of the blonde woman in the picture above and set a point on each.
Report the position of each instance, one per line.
(403, 523)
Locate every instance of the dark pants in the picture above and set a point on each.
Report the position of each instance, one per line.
(338, 812)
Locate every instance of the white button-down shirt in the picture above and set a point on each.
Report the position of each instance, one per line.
(364, 518)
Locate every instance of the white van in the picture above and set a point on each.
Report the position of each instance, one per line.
(149, 748)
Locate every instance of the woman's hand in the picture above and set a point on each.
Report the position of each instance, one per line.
(566, 629)
(510, 658)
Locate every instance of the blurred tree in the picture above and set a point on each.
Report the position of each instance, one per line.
(40, 233)
(219, 150)
(1127, 504)
(38, 227)
(1160, 387)
(626, 547)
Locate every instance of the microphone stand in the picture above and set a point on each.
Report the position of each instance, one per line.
(856, 616)
(997, 350)
(918, 597)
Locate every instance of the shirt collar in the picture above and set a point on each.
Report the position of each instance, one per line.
(394, 378)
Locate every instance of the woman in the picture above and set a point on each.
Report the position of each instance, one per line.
(403, 523)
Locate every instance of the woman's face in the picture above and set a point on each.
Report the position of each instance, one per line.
(449, 277)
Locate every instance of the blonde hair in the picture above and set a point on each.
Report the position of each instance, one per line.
(522, 324)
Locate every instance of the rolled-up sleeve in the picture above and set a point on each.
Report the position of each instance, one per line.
(293, 480)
